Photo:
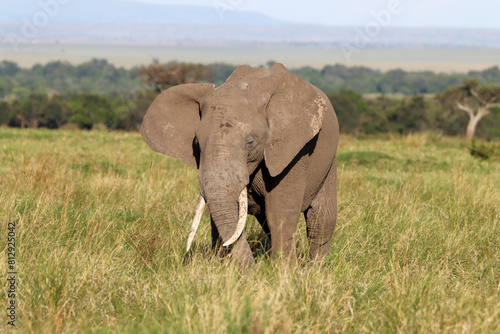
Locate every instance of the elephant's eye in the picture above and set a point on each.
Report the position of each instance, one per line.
(250, 143)
(195, 141)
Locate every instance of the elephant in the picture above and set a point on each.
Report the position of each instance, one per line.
(265, 144)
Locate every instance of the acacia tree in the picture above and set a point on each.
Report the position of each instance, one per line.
(475, 99)
(166, 76)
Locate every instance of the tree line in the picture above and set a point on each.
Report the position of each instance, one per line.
(367, 101)
(98, 76)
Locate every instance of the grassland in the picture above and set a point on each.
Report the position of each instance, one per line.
(102, 223)
(437, 60)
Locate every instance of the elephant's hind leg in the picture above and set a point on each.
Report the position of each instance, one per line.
(321, 216)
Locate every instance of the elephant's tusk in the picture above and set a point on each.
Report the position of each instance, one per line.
(243, 212)
(196, 221)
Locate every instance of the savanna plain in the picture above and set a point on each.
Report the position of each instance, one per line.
(437, 60)
(102, 222)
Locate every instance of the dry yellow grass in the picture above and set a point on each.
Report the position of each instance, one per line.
(102, 223)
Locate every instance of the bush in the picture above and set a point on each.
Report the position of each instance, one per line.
(100, 127)
(435, 136)
(70, 127)
(484, 150)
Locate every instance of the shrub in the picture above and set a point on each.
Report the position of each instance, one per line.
(100, 127)
(484, 150)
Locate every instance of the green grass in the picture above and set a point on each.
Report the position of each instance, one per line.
(102, 223)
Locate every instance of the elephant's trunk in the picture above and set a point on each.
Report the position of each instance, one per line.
(229, 215)
(223, 179)
(242, 212)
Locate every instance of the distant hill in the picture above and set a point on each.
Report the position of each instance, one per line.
(132, 12)
(244, 35)
(136, 23)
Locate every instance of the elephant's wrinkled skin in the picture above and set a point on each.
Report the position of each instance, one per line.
(267, 130)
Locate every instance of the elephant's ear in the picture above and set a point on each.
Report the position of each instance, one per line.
(295, 114)
(169, 124)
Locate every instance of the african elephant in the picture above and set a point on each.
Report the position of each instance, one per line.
(265, 143)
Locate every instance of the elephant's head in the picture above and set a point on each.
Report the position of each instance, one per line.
(259, 117)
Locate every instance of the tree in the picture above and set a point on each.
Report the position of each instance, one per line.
(475, 99)
(5, 112)
(9, 68)
(5, 87)
(165, 76)
(410, 116)
(54, 113)
(31, 111)
(130, 111)
(349, 107)
(87, 109)
(220, 72)
(375, 120)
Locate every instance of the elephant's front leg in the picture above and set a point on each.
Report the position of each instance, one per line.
(283, 226)
(283, 208)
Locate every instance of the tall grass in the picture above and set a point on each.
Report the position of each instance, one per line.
(102, 223)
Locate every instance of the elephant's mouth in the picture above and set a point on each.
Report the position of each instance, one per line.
(242, 218)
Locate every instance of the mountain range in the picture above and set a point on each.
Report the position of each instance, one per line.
(135, 23)
(132, 12)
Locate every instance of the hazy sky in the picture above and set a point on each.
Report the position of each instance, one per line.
(415, 13)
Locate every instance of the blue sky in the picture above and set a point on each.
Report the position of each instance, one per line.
(413, 13)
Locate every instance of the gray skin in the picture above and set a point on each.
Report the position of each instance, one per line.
(264, 129)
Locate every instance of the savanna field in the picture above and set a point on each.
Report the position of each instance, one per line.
(102, 223)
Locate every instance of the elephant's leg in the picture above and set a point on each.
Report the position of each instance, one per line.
(283, 208)
(283, 230)
(242, 252)
(321, 216)
(265, 242)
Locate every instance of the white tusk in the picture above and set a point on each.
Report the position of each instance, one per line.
(243, 212)
(196, 221)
